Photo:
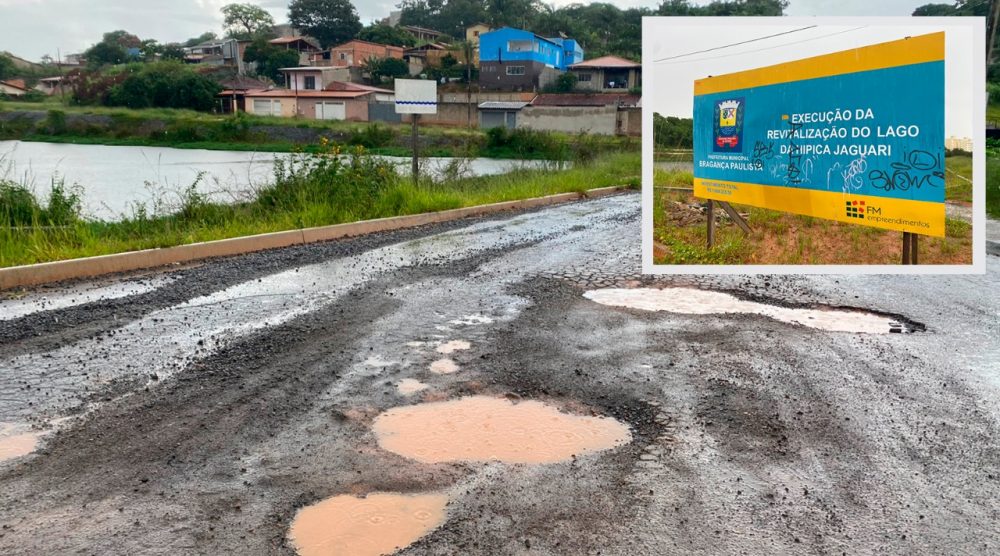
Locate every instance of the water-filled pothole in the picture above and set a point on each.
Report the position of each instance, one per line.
(380, 523)
(16, 441)
(444, 366)
(410, 386)
(700, 302)
(480, 428)
(453, 346)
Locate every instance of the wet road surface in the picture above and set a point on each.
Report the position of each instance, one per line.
(197, 412)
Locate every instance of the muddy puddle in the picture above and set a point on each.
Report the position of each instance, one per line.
(480, 429)
(380, 523)
(700, 302)
(444, 366)
(16, 441)
(410, 386)
(453, 346)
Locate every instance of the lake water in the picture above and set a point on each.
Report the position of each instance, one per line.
(114, 179)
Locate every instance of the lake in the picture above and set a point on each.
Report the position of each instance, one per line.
(114, 179)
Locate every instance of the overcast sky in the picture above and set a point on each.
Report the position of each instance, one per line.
(673, 79)
(33, 28)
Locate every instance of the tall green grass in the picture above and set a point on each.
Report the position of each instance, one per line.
(307, 191)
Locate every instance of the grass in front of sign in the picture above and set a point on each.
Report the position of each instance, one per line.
(958, 179)
(679, 232)
(315, 191)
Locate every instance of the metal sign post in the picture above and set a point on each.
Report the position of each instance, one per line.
(415, 97)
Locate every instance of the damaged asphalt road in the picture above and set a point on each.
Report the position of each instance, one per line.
(194, 412)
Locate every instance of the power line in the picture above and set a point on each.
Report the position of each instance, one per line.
(734, 44)
(766, 48)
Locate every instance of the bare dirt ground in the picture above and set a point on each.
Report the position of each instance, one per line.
(198, 411)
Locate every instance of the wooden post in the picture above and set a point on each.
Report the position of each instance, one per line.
(913, 248)
(416, 157)
(711, 223)
(906, 247)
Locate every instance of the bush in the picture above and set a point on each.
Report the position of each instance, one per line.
(55, 122)
(18, 206)
(993, 92)
(372, 136)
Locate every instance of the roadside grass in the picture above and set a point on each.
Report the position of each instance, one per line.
(309, 191)
(679, 232)
(993, 187)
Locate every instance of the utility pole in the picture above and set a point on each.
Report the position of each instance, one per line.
(991, 31)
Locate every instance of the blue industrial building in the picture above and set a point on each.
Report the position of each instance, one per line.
(515, 59)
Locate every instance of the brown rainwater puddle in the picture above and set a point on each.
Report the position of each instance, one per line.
(444, 366)
(409, 386)
(380, 523)
(700, 302)
(480, 428)
(15, 443)
(453, 346)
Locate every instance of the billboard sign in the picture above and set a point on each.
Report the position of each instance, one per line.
(855, 136)
(416, 96)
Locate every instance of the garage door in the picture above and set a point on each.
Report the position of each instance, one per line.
(267, 107)
(331, 111)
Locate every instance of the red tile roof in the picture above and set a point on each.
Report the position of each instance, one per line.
(16, 83)
(288, 93)
(606, 62)
(585, 99)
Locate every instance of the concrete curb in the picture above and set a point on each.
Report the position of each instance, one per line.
(993, 248)
(43, 273)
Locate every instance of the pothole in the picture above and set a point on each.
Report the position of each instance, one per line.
(701, 302)
(444, 366)
(410, 386)
(16, 441)
(380, 523)
(453, 346)
(481, 428)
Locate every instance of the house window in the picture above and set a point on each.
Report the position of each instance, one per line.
(520, 46)
(343, 55)
(584, 77)
(515, 70)
(475, 33)
(310, 83)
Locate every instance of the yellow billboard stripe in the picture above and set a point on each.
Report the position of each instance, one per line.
(904, 215)
(903, 52)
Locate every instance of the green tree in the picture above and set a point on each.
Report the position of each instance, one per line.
(245, 21)
(386, 34)
(724, 8)
(172, 51)
(7, 67)
(207, 36)
(270, 59)
(105, 54)
(331, 22)
(163, 85)
(384, 69)
(566, 83)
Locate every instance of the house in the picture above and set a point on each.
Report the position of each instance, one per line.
(473, 32)
(226, 52)
(430, 55)
(422, 33)
(515, 59)
(305, 46)
(495, 113)
(13, 88)
(52, 85)
(234, 91)
(353, 54)
(312, 78)
(348, 103)
(607, 74)
(600, 113)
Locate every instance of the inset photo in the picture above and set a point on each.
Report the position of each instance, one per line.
(813, 145)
